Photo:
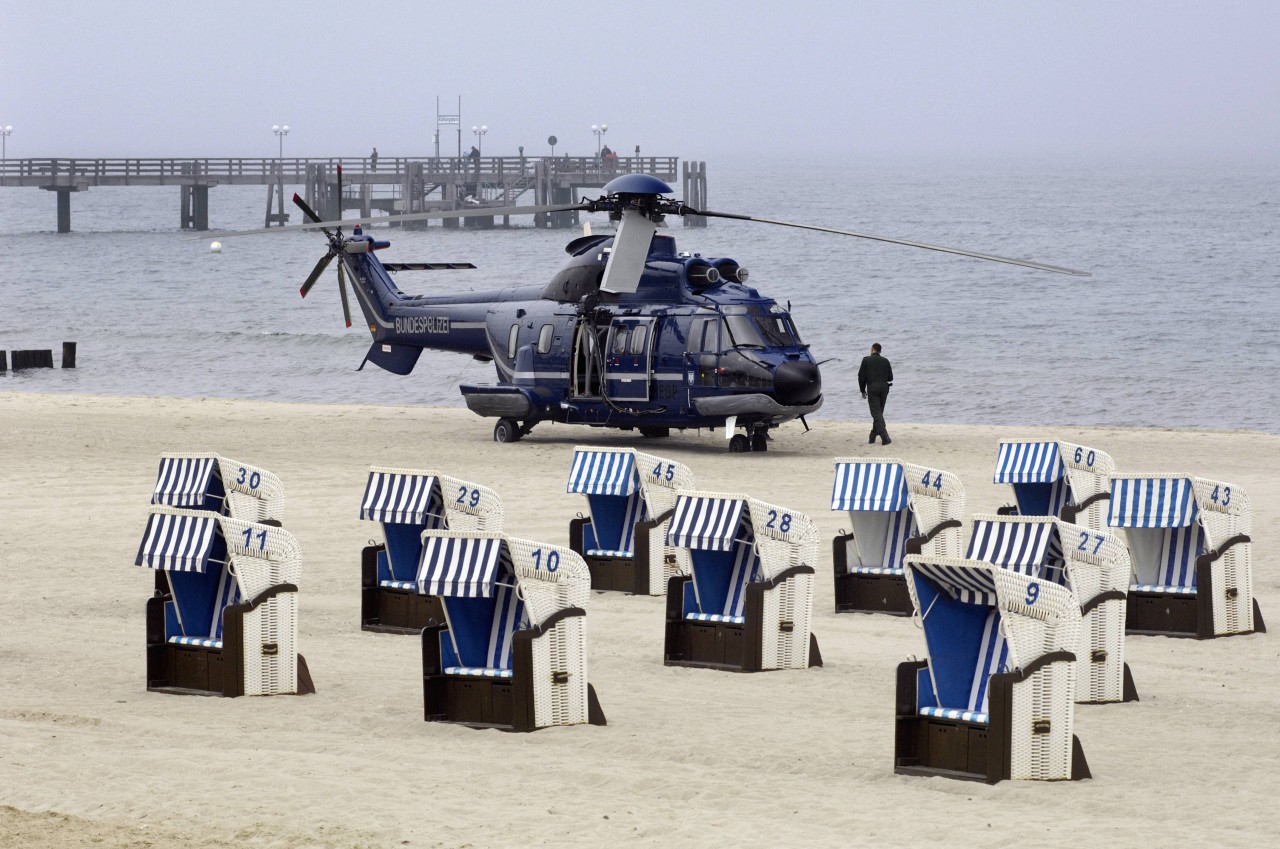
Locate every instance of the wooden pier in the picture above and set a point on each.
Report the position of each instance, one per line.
(386, 185)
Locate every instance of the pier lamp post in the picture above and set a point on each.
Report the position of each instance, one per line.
(5, 132)
(280, 132)
(599, 130)
(480, 131)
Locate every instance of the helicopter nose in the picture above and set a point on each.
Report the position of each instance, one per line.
(797, 383)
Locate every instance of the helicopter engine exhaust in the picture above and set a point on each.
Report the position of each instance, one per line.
(703, 276)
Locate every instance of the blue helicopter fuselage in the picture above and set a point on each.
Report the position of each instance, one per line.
(693, 346)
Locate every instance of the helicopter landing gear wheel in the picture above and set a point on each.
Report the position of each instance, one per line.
(507, 430)
(739, 444)
(655, 432)
(760, 440)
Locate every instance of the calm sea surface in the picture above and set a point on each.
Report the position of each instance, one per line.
(1177, 327)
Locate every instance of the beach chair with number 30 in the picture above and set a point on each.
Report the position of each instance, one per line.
(201, 481)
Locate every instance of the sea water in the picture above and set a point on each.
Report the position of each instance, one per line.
(1177, 327)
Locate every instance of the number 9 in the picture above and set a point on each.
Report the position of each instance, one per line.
(1033, 593)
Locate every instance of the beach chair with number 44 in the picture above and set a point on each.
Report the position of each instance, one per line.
(406, 502)
(1192, 555)
(511, 651)
(994, 697)
(630, 498)
(894, 508)
(226, 622)
(747, 604)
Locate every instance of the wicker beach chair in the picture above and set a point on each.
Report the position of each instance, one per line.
(747, 603)
(1191, 551)
(224, 617)
(406, 502)
(511, 653)
(630, 498)
(995, 697)
(199, 481)
(893, 507)
(1059, 479)
(1094, 565)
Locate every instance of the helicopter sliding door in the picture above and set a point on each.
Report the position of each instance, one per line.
(628, 359)
(587, 362)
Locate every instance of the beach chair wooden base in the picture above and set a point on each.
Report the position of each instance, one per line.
(956, 748)
(857, 593)
(729, 646)
(391, 610)
(619, 574)
(1180, 614)
(191, 670)
(483, 702)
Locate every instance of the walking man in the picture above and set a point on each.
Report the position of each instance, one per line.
(875, 376)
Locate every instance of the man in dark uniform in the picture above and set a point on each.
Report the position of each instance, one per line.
(875, 376)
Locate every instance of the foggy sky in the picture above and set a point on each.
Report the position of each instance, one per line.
(696, 79)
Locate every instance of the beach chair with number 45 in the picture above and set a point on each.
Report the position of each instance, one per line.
(894, 508)
(747, 603)
(1192, 555)
(511, 651)
(406, 502)
(226, 622)
(630, 498)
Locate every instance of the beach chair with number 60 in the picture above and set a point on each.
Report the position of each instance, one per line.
(511, 652)
(893, 507)
(406, 502)
(1192, 555)
(1059, 479)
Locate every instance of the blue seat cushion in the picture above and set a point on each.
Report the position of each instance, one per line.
(609, 552)
(478, 671)
(876, 570)
(955, 713)
(412, 586)
(1162, 588)
(196, 641)
(715, 617)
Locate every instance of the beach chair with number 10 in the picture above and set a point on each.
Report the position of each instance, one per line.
(511, 651)
(894, 508)
(748, 602)
(630, 497)
(406, 502)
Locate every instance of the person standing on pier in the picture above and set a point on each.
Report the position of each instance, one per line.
(373, 160)
(875, 376)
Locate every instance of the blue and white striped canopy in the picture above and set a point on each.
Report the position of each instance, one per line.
(398, 498)
(603, 473)
(177, 543)
(1028, 462)
(705, 523)
(183, 481)
(869, 486)
(1152, 503)
(972, 584)
(460, 567)
(1017, 545)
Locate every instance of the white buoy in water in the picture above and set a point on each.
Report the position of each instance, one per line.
(215, 247)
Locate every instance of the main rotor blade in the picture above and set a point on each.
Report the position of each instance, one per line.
(342, 287)
(315, 274)
(487, 211)
(305, 207)
(909, 243)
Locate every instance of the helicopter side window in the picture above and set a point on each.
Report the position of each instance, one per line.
(513, 339)
(620, 336)
(544, 338)
(638, 337)
(703, 336)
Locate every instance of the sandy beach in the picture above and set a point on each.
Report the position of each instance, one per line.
(689, 757)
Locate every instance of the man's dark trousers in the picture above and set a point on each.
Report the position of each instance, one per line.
(877, 395)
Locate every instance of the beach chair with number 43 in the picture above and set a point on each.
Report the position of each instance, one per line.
(1189, 539)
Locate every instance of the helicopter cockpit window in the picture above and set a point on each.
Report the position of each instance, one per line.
(620, 335)
(744, 332)
(544, 338)
(777, 330)
(513, 339)
(638, 337)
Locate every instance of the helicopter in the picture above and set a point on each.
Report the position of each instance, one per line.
(631, 333)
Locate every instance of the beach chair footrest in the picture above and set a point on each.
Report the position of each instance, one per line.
(872, 592)
(1163, 613)
(396, 610)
